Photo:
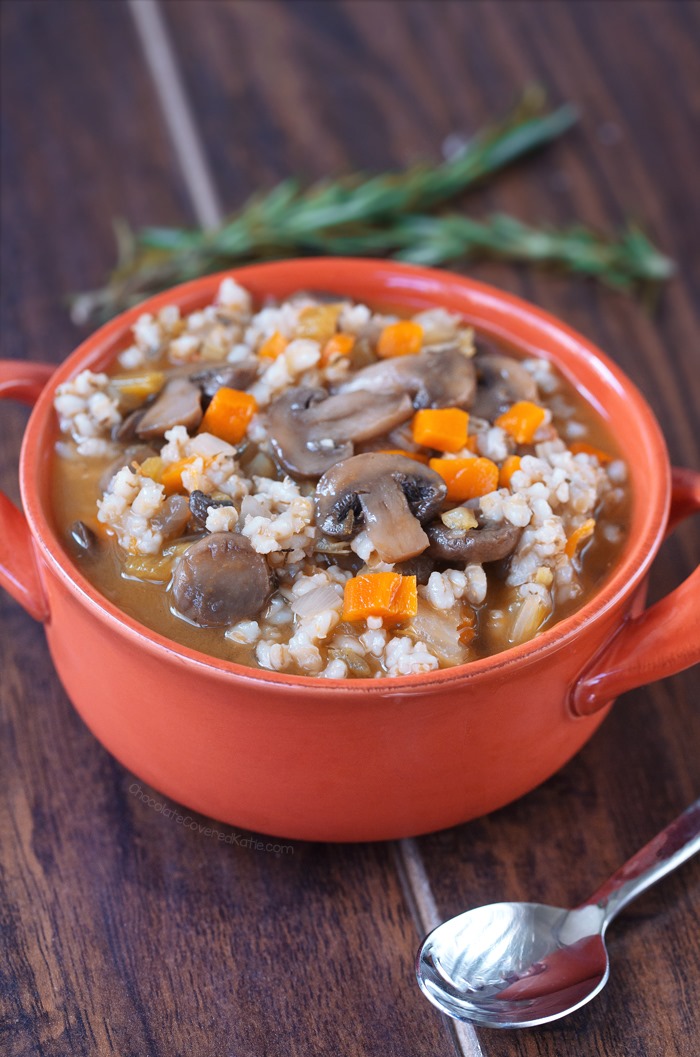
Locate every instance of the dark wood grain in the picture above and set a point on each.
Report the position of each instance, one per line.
(123, 931)
(429, 70)
(127, 933)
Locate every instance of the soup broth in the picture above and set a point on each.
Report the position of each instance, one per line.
(319, 488)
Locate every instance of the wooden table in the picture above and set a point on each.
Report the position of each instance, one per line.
(128, 934)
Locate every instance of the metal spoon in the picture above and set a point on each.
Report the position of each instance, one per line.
(516, 965)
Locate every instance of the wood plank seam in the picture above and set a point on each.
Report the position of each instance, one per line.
(179, 117)
(164, 67)
(421, 902)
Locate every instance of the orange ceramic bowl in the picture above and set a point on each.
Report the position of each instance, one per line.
(351, 760)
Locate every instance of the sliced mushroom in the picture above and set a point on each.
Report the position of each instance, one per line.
(232, 375)
(84, 541)
(179, 403)
(200, 504)
(173, 518)
(310, 431)
(502, 381)
(125, 431)
(442, 377)
(388, 495)
(220, 580)
(421, 567)
(488, 543)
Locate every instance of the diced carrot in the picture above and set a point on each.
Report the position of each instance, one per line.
(391, 596)
(409, 454)
(273, 347)
(522, 421)
(579, 536)
(466, 478)
(472, 444)
(171, 476)
(466, 629)
(508, 468)
(442, 428)
(580, 447)
(229, 414)
(400, 339)
(337, 346)
(318, 322)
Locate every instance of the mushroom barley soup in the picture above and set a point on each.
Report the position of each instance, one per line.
(318, 488)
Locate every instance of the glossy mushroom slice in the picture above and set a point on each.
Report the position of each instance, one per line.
(179, 403)
(232, 375)
(388, 495)
(501, 382)
(221, 579)
(488, 542)
(442, 377)
(200, 504)
(84, 542)
(172, 521)
(310, 431)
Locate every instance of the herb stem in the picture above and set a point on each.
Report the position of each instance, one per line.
(386, 214)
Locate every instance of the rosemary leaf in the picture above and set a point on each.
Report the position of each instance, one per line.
(620, 262)
(379, 215)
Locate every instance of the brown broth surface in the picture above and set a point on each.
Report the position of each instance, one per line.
(76, 489)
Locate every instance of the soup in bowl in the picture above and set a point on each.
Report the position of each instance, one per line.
(312, 529)
(312, 486)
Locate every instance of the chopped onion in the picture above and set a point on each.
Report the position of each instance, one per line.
(438, 628)
(529, 618)
(315, 601)
(357, 664)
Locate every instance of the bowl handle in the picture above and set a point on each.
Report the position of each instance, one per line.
(661, 641)
(19, 571)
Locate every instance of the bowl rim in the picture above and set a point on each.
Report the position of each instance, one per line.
(635, 559)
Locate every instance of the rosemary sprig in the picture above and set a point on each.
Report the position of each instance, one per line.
(621, 262)
(377, 215)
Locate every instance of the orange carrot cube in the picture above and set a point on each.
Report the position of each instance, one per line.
(229, 414)
(466, 478)
(400, 339)
(508, 468)
(522, 421)
(273, 347)
(443, 428)
(391, 596)
(337, 346)
(171, 476)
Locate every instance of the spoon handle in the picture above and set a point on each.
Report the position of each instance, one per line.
(664, 853)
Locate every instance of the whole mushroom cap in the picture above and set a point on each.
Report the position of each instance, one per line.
(388, 495)
(502, 380)
(490, 542)
(221, 579)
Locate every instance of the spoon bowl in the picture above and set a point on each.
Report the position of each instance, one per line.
(514, 965)
(517, 965)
